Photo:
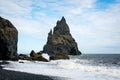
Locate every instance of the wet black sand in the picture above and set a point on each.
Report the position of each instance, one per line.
(14, 75)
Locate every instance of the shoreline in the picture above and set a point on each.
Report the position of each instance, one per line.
(16, 75)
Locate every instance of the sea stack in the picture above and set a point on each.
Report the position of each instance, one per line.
(8, 40)
(60, 41)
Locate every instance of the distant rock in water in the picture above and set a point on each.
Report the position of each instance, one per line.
(32, 53)
(24, 57)
(8, 40)
(59, 56)
(60, 41)
(39, 56)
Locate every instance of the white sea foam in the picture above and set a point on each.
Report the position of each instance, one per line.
(74, 65)
(118, 63)
(71, 69)
(46, 56)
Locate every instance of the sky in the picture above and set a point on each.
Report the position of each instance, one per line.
(94, 24)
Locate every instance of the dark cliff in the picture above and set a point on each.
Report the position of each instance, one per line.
(8, 40)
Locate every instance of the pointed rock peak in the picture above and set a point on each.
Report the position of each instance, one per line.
(63, 19)
(50, 33)
(62, 27)
(50, 30)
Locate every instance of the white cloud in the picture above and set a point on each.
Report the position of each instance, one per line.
(83, 3)
(40, 3)
(15, 7)
(98, 30)
(78, 7)
(93, 30)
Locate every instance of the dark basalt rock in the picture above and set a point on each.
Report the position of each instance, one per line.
(32, 53)
(24, 57)
(60, 41)
(8, 40)
(59, 56)
(37, 56)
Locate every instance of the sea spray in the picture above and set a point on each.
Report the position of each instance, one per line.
(73, 69)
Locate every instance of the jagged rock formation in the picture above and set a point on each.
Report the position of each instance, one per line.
(24, 57)
(38, 56)
(60, 41)
(8, 40)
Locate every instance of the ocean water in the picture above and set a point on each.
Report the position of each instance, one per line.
(83, 67)
(100, 59)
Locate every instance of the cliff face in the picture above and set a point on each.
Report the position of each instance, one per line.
(8, 40)
(60, 41)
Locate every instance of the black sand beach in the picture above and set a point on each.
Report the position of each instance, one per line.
(14, 75)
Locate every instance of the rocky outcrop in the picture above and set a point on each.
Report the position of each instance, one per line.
(24, 57)
(59, 56)
(8, 40)
(32, 53)
(38, 56)
(60, 41)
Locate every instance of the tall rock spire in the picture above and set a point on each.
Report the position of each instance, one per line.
(61, 41)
